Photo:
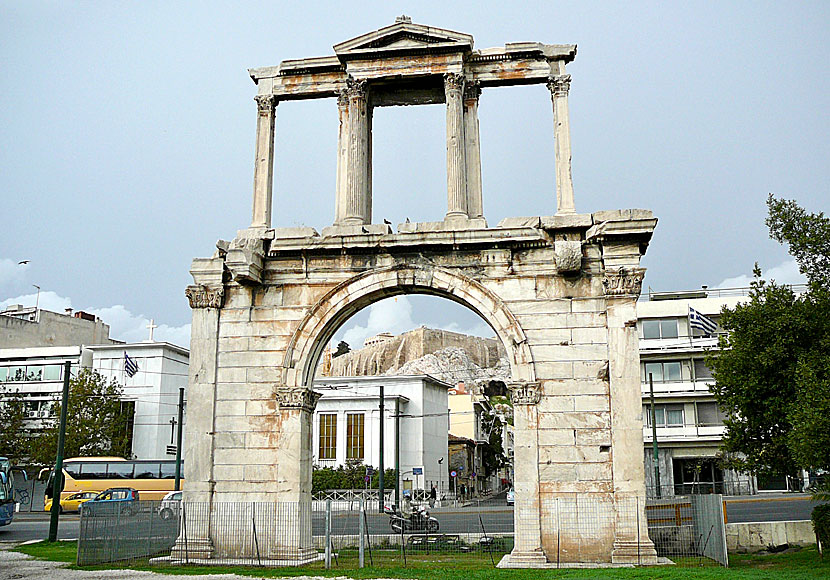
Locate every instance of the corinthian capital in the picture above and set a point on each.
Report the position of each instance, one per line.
(205, 296)
(524, 393)
(355, 88)
(266, 104)
(453, 82)
(472, 90)
(559, 85)
(622, 282)
(298, 398)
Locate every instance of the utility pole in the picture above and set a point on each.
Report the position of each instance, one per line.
(57, 483)
(654, 435)
(178, 482)
(381, 491)
(398, 452)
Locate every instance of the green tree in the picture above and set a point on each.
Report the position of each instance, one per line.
(98, 422)
(14, 443)
(772, 374)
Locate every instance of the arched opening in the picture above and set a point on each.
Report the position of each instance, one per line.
(431, 365)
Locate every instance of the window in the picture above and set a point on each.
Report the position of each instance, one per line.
(660, 328)
(4, 373)
(702, 372)
(34, 373)
(708, 415)
(93, 470)
(328, 436)
(52, 373)
(354, 436)
(120, 471)
(663, 372)
(147, 470)
(17, 374)
(665, 415)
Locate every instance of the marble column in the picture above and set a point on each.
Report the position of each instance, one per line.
(264, 165)
(472, 150)
(342, 156)
(527, 544)
(355, 202)
(559, 85)
(456, 170)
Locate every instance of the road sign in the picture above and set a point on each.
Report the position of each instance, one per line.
(366, 479)
(417, 471)
(474, 474)
(453, 473)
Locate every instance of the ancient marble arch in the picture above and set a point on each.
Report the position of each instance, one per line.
(559, 291)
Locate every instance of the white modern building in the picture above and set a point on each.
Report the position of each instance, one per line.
(689, 423)
(154, 389)
(37, 373)
(347, 426)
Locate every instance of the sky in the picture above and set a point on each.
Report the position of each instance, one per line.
(127, 139)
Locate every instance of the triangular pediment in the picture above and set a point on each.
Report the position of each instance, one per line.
(403, 37)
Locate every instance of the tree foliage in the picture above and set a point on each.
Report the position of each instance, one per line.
(98, 422)
(772, 374)
(14, 443)
(350, 476)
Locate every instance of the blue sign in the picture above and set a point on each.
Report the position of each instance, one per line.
(453, 473)
(417, 471)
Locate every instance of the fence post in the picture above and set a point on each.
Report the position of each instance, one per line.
(328, 534)
(362, 528)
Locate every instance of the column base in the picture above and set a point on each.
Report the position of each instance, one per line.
(633, 552)
(196, 549)
(526, 559)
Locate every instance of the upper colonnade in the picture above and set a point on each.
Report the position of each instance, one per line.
(409, 64)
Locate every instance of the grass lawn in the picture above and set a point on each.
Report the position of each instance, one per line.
(804, 564)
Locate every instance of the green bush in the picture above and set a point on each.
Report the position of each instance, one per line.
(821, 524)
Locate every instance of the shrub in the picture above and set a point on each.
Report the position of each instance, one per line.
(821, 525)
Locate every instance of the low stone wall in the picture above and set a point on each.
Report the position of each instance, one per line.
(755, 536)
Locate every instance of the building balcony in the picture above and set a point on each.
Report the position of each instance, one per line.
(678, 387)
(685, 432)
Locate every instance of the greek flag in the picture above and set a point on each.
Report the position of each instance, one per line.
(130, 366)
(701, 322)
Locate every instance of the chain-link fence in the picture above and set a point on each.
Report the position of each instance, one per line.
(327, 533)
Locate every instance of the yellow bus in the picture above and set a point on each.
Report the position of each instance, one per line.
(152, 478)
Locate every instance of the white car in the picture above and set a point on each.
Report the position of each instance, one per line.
(510, 496)
(169, 506)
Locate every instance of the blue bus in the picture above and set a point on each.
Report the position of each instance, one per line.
(6, 492)
(7, 499)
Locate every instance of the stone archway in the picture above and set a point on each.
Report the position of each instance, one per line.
(329, 313)
(559, 291)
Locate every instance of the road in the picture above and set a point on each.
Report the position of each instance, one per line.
(495, 516)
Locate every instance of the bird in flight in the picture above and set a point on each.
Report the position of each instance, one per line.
(22, 262)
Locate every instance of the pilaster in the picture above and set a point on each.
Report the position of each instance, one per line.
(527, 546)
(264, 165)
(631, 542)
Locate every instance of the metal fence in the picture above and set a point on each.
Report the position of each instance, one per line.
(327, 533)
(733, 487)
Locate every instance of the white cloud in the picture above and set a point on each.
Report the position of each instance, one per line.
(391, 315)
(394, 315)
(124, 325)
(784, 273)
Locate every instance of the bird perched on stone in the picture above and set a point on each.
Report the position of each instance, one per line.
(407, 220)
(364, 230)
(387, 222)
